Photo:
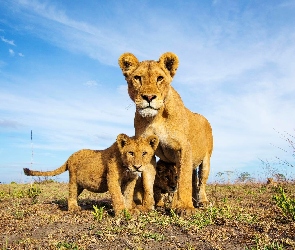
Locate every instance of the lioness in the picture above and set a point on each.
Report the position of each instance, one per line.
(185, 137)
(113, 169)
(165, 182)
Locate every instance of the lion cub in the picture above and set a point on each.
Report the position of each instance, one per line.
(113, 169)
(165, 183)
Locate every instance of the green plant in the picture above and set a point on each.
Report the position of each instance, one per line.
(204, 218)
(33, 191)
(18, 193)
(261, 245)
(5, 247)
(2, 195)
(286, 204)
(98, 212)
(155, 236)
(18, 213)
(66, 245)
(127, 214)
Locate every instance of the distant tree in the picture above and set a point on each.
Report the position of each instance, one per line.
(228, 174)
(245, 177)
(290, 139)
(280, 177)
(275, 172)
(220, 176)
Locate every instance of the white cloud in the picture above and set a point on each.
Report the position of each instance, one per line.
(91, 83)
(10, 42)
(69, 122)
(21, 54)
(11, 52)
(9, 123)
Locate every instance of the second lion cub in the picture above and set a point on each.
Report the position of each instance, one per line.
(165, 183)
(113, 169)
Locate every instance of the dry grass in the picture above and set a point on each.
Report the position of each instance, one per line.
(241, 217)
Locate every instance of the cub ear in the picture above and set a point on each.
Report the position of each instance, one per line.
(161, 167)
(153, 141)
(128, 62)
(170, 61)
(122, 141)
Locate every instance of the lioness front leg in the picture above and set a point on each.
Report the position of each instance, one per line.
(203, 174)
(182, 200)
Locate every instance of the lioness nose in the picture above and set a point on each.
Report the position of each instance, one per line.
(149, 98)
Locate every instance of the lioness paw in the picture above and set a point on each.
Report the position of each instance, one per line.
(74, 209)
(144, 209)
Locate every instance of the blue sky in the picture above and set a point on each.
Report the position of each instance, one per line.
(59, 76)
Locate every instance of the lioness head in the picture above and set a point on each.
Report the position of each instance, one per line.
(137, 153)
(166, 177)
(148, 81)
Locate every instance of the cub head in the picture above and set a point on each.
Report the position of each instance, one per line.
(166, 177)
(148, 81)
(136, 153)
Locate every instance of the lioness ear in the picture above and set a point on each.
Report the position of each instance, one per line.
(128, 62)
(170, 61)
(153, 141)
(122, 141)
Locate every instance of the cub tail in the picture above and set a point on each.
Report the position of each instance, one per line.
(58, 171)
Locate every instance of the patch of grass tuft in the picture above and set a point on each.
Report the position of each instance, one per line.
(285, 203)
(98, 212)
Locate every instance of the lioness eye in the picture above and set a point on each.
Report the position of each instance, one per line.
(160, 78)
(131, 153)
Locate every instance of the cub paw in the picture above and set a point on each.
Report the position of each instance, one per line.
(203, 204)
(185, 212)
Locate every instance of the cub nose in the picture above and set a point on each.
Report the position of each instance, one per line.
(137, 167)
(149, 98)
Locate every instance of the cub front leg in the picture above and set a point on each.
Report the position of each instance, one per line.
(148, 179)
(114, 187)
(159, 202)
(129, 190)
(73, 193)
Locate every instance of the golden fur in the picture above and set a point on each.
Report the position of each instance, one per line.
(185, 137)
(165, 182)
(113, 169)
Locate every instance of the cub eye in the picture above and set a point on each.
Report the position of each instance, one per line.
(160, 78)
(137, 78)
(131, 153)
(144, 153)
(166, 178)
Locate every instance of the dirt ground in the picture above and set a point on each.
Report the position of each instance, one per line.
(35, 216)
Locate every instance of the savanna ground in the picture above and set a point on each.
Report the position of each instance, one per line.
(241, 216)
